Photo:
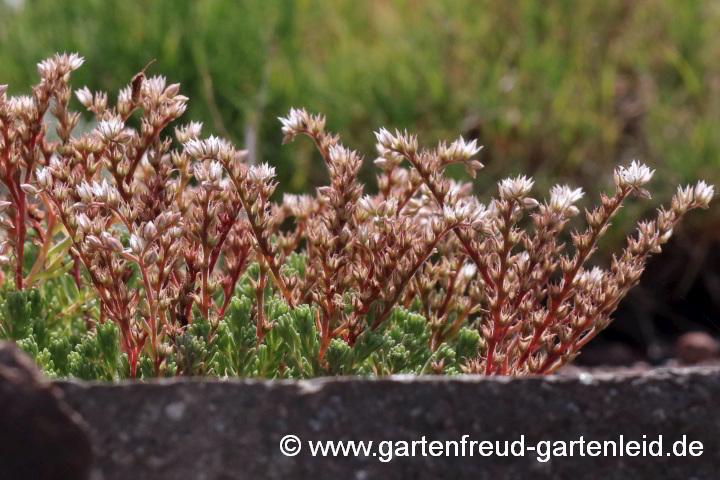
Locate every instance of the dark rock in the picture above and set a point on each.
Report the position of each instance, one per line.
(40, 437)
(695, 347)
(211, 430)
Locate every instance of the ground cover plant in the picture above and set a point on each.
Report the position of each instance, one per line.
(130, 254)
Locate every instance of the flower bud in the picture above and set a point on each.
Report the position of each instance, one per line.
(29, 189)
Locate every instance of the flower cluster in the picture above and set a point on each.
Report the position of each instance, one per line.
(166, 237)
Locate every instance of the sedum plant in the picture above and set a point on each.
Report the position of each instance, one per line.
(173, 257)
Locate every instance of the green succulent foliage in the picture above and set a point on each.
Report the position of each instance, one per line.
(51, 324)
(98, 356)
(236, 339)
(22, 315)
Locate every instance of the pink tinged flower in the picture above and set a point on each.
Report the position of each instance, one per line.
(149, 230)
(83, 222)
(29, 189)
(111, 242)
(172, 90)
(94, 242)
(137, 244)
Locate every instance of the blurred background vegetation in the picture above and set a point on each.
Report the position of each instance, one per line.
(562, 90)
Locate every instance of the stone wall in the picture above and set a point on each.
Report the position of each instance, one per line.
(216, 430)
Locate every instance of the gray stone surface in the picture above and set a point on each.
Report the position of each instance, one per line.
(211, 430)
(40, 436)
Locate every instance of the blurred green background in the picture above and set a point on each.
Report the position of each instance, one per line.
(560, 89)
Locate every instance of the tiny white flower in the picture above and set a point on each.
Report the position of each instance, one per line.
(261, 173)
(450, 214)
(460, 149)
(75, 61)
(515, 188)
(338, 154)
(666, 236)
(636, 175)
(85, 96)
(704, 193)
(216, 171)
(562, 199)
(84, 191)
(366, 203)
(45, 67)
(188, 132)
(594, 277)
(109, 129)
(155, 86)
(685, 195)
(125, 96)
(112, 194)
(44, 179)
(468, 271)
(296, 122)
(212, 146)
(100, 189)
(385, 138)
(22, 104)
(194, 148)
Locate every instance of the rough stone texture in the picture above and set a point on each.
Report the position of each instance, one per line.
(227, 430)
(40, 436)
